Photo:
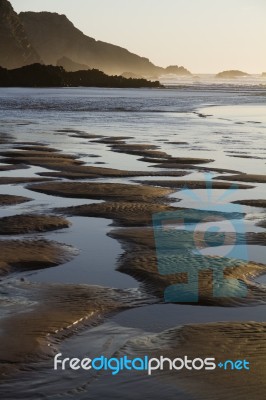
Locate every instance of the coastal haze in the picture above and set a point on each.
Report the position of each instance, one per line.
(114, 116)
(205, 36)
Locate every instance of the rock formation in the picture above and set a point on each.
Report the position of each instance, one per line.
(15, 48)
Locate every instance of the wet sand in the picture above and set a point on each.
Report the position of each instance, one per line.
(226, 341)
(10, 167)
(127, 205)
(87, 172)
(24, 255)
(17, 180)
(245, 178)
(68, 165)
(33, 334)
(253, 203)
(102, 191)
(196, 184)
(179, 161)
(52, 313)
(9, 200)
(123, 213)
(262, 224)
(176, 165)
(28, 223)
(140, 261)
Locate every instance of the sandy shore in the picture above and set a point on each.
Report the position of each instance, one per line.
(58, 311)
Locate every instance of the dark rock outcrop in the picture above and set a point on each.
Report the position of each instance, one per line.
(15, 47)
(231, 74)
(38, 75)
(176, 70)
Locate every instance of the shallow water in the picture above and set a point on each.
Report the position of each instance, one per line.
(96, 262)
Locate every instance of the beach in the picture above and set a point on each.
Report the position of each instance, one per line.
(83, 174)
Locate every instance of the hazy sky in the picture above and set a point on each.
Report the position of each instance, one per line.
(202, 35)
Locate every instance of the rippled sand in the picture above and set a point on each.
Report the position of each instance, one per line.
(28, 223)
(25, 255)
(55, 312)
(39, 318)
(225, 341)
(6, 200)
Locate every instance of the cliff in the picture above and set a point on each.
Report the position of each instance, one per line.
(56, 38)
(15, 47)
(52, 39)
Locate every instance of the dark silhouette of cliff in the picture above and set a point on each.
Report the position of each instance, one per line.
(51, 38)
(55, 37)
(38, 75)
(15, 48)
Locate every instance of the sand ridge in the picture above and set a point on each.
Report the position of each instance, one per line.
(261, 203)
(29, 223)
(140, 260)
(244, 178)
(194, 184)
(26, 255)
(122, 212)
(102, 191)
(9, 200)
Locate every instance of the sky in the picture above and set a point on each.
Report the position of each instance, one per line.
(205, 36)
